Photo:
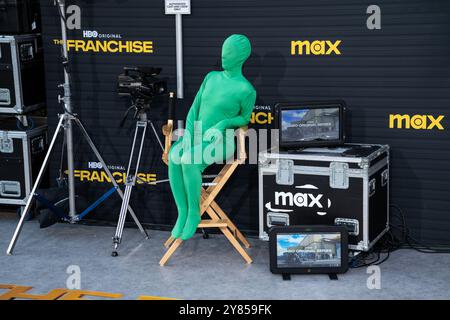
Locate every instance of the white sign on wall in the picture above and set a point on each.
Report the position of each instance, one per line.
(178, 6)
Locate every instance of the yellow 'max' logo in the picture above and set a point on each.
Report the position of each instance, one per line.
(418, 122)
(317, 47)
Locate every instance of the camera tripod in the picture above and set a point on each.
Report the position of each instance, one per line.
(142, 121)
(66, 120)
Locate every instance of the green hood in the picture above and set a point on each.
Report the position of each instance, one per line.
(235, 50)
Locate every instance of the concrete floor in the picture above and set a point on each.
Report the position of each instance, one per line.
(200, 269)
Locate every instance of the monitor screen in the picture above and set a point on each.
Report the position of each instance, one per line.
(308, 250)
(303, 124)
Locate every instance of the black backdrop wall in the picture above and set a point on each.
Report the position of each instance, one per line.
(403, 68)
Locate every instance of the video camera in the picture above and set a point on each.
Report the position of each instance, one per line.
(140, 83)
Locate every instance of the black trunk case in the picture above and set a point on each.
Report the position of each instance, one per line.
(359, 196)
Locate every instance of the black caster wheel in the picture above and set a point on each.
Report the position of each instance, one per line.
(114, 254)
(205, 236)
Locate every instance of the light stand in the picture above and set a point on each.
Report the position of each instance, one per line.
(67, 100)
(65, 122)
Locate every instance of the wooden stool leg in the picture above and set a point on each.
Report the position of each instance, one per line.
(229, 235)
(169, 241)
(236, 245)
(216, 213)
(169, 252)
(224, 216)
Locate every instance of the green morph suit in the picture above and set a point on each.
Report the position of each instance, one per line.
(225, 101)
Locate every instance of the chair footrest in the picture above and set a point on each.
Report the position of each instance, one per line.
(213, 224)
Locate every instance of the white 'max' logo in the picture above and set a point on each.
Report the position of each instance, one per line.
(299, 199)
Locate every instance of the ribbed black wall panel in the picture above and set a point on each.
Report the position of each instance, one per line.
(402, 68)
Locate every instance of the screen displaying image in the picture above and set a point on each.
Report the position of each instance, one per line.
(305, 124)
(321, 250)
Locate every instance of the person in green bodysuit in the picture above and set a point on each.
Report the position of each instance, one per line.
(224, 101)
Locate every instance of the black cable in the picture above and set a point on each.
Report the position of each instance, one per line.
(385, 245)
(406, 244)
(364, 259)
(404, 231)
(385, 259)
(390, 243)
(390, 247)
(408, 240)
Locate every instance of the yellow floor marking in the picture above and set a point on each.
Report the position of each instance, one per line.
(21, 292)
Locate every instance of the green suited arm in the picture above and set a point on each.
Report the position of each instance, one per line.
(192, 115)
(243, 119)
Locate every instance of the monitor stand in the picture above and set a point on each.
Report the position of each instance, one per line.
(333, 276)
(286, 276)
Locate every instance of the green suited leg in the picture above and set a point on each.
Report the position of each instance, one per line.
(177, 185)
(185, 175)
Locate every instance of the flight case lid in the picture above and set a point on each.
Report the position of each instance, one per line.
(349, 152)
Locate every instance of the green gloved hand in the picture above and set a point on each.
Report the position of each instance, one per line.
(214, 134)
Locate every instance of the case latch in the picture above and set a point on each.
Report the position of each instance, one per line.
(339, 175)
(285, 173)
(6, 144)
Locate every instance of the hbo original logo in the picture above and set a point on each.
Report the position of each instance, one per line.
(95, 165)
(90, 34)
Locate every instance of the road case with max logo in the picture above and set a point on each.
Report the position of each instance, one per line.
(347, 185)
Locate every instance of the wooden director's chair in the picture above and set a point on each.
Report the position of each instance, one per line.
(217, 217)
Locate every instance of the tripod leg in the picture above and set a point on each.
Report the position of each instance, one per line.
(133, 215)
(130, 183)
(12, 244)
(117, 239)
(156, 135)
(109, 174)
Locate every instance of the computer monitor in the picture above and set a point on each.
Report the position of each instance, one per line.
(308, 249)
(309, 124)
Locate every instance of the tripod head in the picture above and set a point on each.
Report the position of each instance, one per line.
(140, 84)
(140, 107)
